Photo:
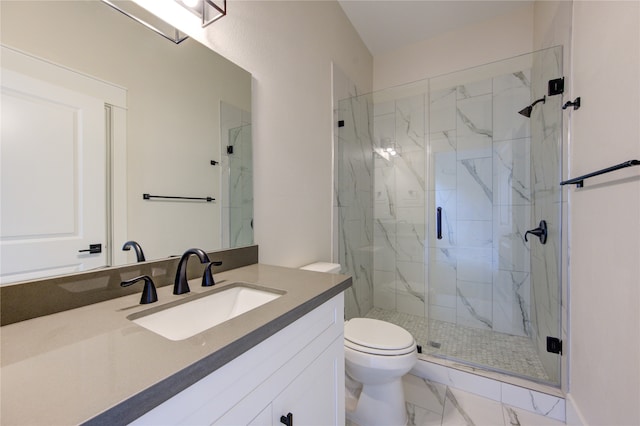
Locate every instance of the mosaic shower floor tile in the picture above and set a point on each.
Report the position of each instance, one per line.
(483, 348)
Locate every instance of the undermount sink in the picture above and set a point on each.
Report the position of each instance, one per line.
(194, 315)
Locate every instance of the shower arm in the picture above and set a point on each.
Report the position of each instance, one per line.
(542, 99)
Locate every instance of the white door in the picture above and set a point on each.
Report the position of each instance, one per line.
(53, 178)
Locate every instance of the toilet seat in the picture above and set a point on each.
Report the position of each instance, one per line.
(377, 337)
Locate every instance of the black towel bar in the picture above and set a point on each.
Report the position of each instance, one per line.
(207, 199)
(579, 181)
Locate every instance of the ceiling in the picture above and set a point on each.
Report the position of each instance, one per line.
(386, 25)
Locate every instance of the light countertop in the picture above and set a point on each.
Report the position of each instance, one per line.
(92, 364)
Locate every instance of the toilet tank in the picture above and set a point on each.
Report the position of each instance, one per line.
(331, 268)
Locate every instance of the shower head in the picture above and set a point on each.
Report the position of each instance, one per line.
(527, 111)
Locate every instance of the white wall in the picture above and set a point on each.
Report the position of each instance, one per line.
(604, 216)
(288, 47)
(495, 39)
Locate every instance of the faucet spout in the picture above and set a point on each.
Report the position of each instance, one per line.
(181, 285)
(136, 247)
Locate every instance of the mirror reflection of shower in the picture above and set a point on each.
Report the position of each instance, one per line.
(236, 192)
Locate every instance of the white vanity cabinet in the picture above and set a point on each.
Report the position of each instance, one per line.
(298, 370)
(310, 399)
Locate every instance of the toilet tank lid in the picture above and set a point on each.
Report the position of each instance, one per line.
(332, 268)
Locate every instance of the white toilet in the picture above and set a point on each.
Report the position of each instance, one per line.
(377, 355)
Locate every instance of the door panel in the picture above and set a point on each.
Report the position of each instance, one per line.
(62, 210)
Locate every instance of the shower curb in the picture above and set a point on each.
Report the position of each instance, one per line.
(541, 403)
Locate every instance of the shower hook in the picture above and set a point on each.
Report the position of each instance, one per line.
(575, 104)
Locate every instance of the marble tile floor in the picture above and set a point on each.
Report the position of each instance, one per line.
(499, 351)
(434, 404)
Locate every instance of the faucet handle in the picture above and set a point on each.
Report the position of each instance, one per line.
(207, 277)
(149, 294)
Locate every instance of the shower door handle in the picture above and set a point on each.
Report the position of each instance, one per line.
(439, 223)
(540, 232)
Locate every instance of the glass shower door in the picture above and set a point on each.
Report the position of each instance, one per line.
(493, 175)
(438, 182)
(547, 203)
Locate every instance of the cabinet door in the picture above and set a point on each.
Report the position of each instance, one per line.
(316, 396)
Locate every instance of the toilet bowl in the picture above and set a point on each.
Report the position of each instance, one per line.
(377, 355)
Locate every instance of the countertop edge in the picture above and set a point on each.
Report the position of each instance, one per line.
(144, 401)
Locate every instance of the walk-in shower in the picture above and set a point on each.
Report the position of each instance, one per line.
(437, 184)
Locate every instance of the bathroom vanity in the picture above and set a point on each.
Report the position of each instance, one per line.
(298, 372)
(95, 365)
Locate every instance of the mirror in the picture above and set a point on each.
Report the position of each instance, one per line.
(185, 105)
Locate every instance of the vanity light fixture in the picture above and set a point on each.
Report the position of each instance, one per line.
(208, 11)
(142, 16)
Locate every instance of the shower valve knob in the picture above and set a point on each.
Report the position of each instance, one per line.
(540, 232)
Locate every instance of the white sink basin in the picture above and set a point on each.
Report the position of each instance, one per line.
(202, 312)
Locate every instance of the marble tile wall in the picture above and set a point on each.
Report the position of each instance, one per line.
(399, 205)
(479, 164)
(353, 189)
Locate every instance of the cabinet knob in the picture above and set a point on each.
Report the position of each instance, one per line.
(287, 420)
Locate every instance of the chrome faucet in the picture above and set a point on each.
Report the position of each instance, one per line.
(181, 285)
(136, 247)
